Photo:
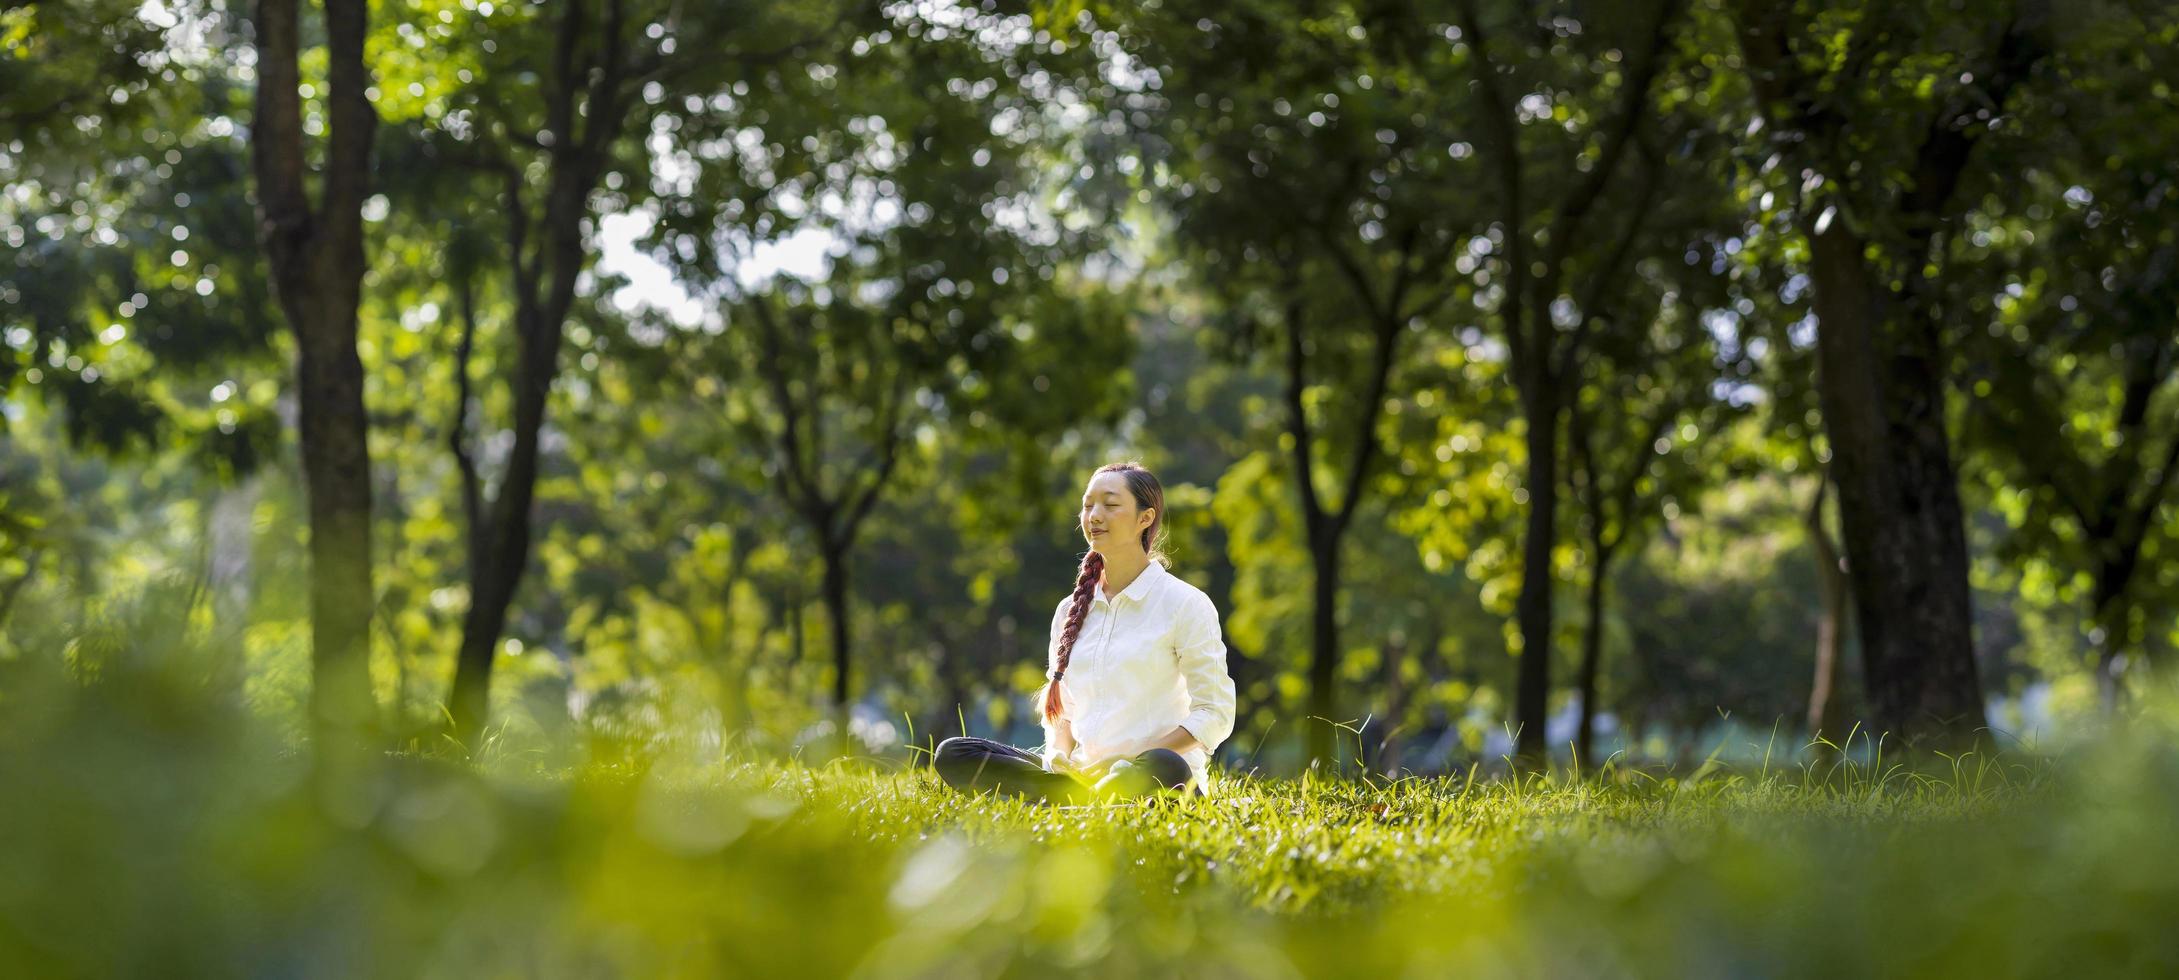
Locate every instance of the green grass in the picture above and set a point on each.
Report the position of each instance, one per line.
(150, 833)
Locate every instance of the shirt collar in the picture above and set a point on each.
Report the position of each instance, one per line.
(1140, 588)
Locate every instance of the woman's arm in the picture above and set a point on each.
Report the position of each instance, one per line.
(1179, 740)
(1058, 733)
(1200, 649)
(1060, 746)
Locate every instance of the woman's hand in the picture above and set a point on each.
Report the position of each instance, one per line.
(1061, 759)
(1090, 772)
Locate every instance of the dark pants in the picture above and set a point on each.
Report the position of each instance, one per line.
(972, 764)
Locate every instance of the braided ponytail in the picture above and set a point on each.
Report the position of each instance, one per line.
(1085, 582)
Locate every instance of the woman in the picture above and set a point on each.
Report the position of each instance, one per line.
(1137, 696)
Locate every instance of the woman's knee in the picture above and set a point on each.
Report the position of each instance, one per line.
(957, 760)
(957, 747)
(1171, 769)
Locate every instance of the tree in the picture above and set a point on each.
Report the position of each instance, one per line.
(846, 390)
(1874, 205)
(1542, 245)
(1668, 364)
(924, 165)
(2074, 377)
(555, 110)
(1314, 186)
(315, 251)
(1835, 591)
(1627, 460)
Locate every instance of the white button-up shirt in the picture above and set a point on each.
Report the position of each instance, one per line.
(1146, 660)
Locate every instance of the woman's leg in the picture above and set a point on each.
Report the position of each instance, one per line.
(972, 764)
(1172, 771)
(1149, 772)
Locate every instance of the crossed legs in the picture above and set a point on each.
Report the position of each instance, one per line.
(972, 764)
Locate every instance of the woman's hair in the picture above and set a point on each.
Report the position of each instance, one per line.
(1150, 496)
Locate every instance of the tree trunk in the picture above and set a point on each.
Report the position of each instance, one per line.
(336, 471)
(543, 275)
(796, 630)
(469, 703)
(837, 613)
(496, 575)
(1883, 407)
(1880, 376)
(2109, 616)
(1324, 655)
(317, 262)
(1832, 586)
(1397, 691)
(955, 707)
(1534, 607)
(1592, 648)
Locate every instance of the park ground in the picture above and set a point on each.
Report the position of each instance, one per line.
(142, 838)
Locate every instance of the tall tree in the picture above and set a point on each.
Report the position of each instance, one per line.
(2078, 405)
(1316, 187)
(1627, 460)
(1835, 592)
(925, 164)
(315, 251)
(1666, 369)
(551, 124)
(1875, 203)
(1548, 186)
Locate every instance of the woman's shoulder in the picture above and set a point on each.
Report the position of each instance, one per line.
(1186, 595)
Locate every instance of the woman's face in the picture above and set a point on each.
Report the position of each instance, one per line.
(1111, 520)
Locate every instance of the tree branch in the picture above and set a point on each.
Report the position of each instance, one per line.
(1952, 135)
(1626, 119)
(806, 493)
(604, 102)
(1297, 416)
(560, 87)
(2154, 498)
(1638, 464)
(1403, 276)
(1498, 118)
(2040, 447)
(1366, 447)
(1364, 290)
(1606, 280)
(276, 139)
(1784, 89)
(520, 258)
(889, 453)
(458, 436)
(354, 125)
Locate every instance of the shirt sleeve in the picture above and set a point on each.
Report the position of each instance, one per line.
(1201, 650)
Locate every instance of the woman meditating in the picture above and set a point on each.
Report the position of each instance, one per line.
(1137, 696)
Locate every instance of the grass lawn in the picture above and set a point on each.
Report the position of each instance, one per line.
(148, 842)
